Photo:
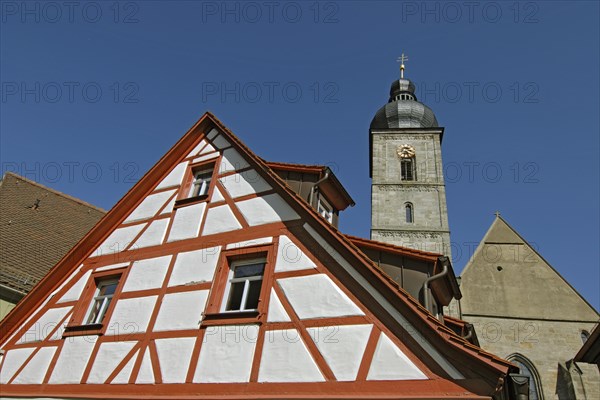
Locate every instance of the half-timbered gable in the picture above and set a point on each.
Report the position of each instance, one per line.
(212, 278)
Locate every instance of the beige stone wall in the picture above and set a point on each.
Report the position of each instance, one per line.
(544, 343)
(429, 231)
(5, 308)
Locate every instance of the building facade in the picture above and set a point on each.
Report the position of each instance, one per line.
(219, 276)
(525, 312)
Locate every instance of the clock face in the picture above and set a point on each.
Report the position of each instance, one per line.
(406, 151)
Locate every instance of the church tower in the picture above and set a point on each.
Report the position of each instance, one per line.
(408, 195)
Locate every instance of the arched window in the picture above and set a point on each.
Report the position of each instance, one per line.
(527, 369)
(408, 209)
(407, 169)
(585, 335)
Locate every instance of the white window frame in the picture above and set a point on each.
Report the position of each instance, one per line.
(230, 279)
(106, 300)
(202, 185)
(325, 210)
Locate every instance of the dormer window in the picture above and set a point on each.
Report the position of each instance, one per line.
(325, 210)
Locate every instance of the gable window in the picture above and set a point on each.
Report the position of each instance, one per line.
(91, 314)
(408, 209)
(585, 335)
(244, 285)
(201, 182)
(105, 291)
(407, 169)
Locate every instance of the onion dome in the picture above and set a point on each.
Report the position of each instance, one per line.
(403, 110)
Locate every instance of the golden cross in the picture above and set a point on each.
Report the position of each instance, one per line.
(401, 60)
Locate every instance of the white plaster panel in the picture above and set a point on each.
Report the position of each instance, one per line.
(169, 207)
(64, 283)
(220, 219)
(74, 291)
(154, 235)
(252, 242)
(146, 373)
(205, 157)
(187, 222)
(317, 296)
(181, 311)
(197, 149)
(35, 370)
(119, 239)
(217, 196)
(285, 358)
(131, 315)
(174, 356)
(220, 142)
(211, 135)
(195, 266)
(290, 257)
(57, 335)
(108, 358)
(149, 206)
(231, 348)
(266, 209)
(73, 359)
(44, 325)
(231, 161)
(276, 311)
(147, 274)
(342, 347)
(208, 149)
(175, 176)
(112, 266)
(245, 183)
(390, 363)
(12, 362)
(123, 376)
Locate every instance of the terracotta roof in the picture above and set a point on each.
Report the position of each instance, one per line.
(294, 167)
(390, 248)
(38, 226)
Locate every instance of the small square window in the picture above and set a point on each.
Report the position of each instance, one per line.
(243, 285)
(105, 291)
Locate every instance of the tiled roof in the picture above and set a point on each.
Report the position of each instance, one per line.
(33, 238)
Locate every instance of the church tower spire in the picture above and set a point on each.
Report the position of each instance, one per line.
(408, 194)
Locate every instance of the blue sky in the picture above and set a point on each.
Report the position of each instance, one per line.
(94, 93)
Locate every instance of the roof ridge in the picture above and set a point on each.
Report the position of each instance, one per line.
(54, 191)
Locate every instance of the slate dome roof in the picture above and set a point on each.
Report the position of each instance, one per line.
(403, 110)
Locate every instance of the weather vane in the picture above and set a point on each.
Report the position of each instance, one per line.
(401, 60)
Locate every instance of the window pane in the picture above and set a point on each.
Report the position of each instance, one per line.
(253, 294)
(235, 296)
(101, 317)
(108, 289)
(243, 271)
(94, 311)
